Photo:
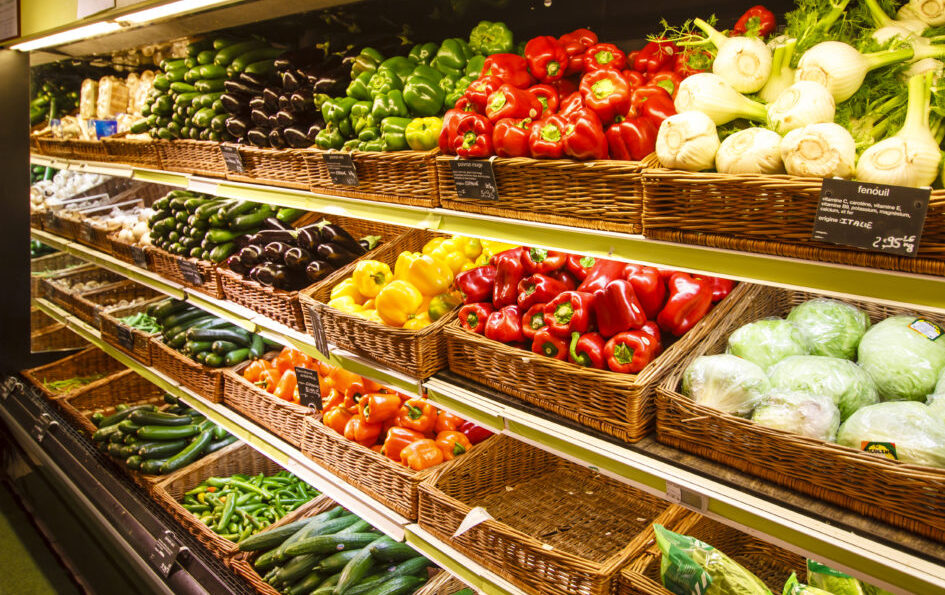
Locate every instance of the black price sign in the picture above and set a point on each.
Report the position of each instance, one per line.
(474, 179)
(341, 168)
(140, 257)
(126, 338)
(232, 158)
(309, 393)
(85, 232)
(165, 552)
(190, 272)
(875, 217)
(318, 333)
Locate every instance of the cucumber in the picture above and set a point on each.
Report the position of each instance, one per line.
(295, 569)
(399, 585)
(386, 549)
(208, 85)
(152, 466)
(412, 567)
(161, 448)
(306, 585)
(181, 87)
(325, 522)
(158, 418)
(167, 432)
(236, 356)
(328, 586)
(357, 567)
(189, 454)
(272, 538)
(231, 52)
(235, 335)
(322, 544)
(336, 562)
(244, 60)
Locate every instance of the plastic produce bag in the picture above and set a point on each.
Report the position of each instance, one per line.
(831, 327)
(795, 587)
(799, 412)
(904, 355)
(691, 567)
(766, 342)
(846, 383)
(725, 382)
(88, 97)
(902, 430)
(832, 581)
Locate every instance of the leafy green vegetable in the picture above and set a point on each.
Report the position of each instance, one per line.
(904, 363)
(766, 342)
(846, 383)
(915, 434)
(795, 587)
(832, 581)
(831, 327)
(725, 382)
(799, 412)
(67, 384)
(142, 322)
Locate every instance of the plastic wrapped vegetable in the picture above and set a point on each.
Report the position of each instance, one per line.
(832, 581)
(936, 404)
(691, 566)
(795, 587)
(905, 430)
(799, 412)
(832, 328)
(725, 382)
(766, 342)
(846, 383)
(902, 359)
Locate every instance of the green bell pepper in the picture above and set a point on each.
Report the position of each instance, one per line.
(345, 128)
(447, 83)
(372, 145)
(389, 104)
(384, 81)
(452, 56)
(337, 109)
(329, 138)
(459, 89)
(358, 88)
(369, 134)
(491, 38)
(400, 65)
(361, 117)
(366, 61)
(423, 134)
(351, 145)
(422, 53)
(393, 133)
(425, 71)
(423, 96)
(475, 65)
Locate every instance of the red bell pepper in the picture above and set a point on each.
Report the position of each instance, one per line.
(540, 260)
(584, 136)
(631, 138)
(546, 138)
(472, 317)
(587, 350)
(510, 137)
(629, 352)
(689, 300)
(617, 308)
(511, 68)
(606, 93)
(473, 136)
(570, 104)
(547, 96)
(604, 55)
(479, 90)
(569, 312)
(757, 20)
(692, 61)
(511, 102)
(720, 287)
(653, 330)
(575, 46)
(538, 289)
(509, 271)
(668, 80)
(476, 284)
(505, 325)
(564, 87)
(634, 79)
(565, 277)
(550, 345)
(655, 56)
(476, 434)
(448, 131)
(603, 272)
(580, 266)
(653, 102)
(533, 321)
(649, 288)
(547, 60)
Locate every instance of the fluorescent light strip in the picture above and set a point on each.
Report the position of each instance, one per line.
(167, 10)
(63, 37)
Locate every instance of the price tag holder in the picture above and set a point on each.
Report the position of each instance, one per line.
(190, 272)
(680, 495)
(875, 217)
(165, 552)
(474, 179)
(232, 158)
(309, 393)
(318, 333)
(341, 168)
(140, 257)
(85, 232)
(126, 337)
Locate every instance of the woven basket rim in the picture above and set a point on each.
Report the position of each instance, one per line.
(235, 374)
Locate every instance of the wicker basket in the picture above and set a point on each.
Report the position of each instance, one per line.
(68, 299)
(100, 238)
(39, 320)
(392, 484)
(69, 227)
(768, 215)
(55, 147)
(283, 306)
(619, 404)
(204, 380)
(276, 167)
(132, 254)
(36, 219)
(771, 564)
(167, 265)
(89, 150)
(91, 305)
(133, 341)
(137, 152)
(417, 353)
(199, 157)
(46, 266)
(556, 527)
(443, 583)
(57, 337)
(125, 387)
(907, 496)
(283, 418)
(401, 177)
(84, 363)
(603, 195)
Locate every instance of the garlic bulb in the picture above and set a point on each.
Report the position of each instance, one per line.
(687, 141)
(750, 151)
(802, 103)
(819, 150)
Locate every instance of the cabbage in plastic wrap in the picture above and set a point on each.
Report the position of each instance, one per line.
(766, 342)
(725, 382)
(917, 436)
(833, 581)
(904, 363)
(799, 412)
(846, 383)
(832, 328)
(796, 587)
(936, 404)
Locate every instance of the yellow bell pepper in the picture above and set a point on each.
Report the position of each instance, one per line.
(442, 304)
(469, 264)
(371, 315)
(371, 276)
(397, 302)
(432, 245)
(347, 288)
(417, 322)
(496, 247)
(369, 305)
(483, 259)
(403, 263)
(429, 275)
(425, 303)
(471, 247)
(454, 260)
(345, 304)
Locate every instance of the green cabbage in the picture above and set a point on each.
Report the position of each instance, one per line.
(846, 383)
(832, 328)
(936, 403)
(833, 581)
(799, 412)
(795, 587)
(904, 363)
(916, 434)
(725, 382)
(766, 342)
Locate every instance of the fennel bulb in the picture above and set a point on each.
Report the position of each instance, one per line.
(936, 67)
(841, 68)
(782, 75)
(802, 103)
(688, 141)
(819, 150)
(711, 95)
(887, 28)
(750, 151)
(929, 11)
(744, 62)
(910, 157)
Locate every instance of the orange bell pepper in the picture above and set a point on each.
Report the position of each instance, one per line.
(397, 440)
(421, 455)
(254, 370)
(335, 399)
(342, 379)
(269, 379)
(287, 386)
(452, 444)
(417, 414)
(378, 407)
(336, 419)
(357, 390)
(447, 422)
(378, 448)
(362, 432)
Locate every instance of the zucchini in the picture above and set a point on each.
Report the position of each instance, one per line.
(202, 356)
(222, 347)
(256, 347)
(133, 462)
(197, 346)
(189, 454)
(236, 356)
(139, 127)
(231, 52)
(165, 134)
(104, 433)
(113, 419)
(223, 442)
(218, 122)
(244, 60)
(161, 82)
(172, 64)
(202, 117)
(177, 75)
(322, 544)
(183, 317)
(261, 67)
(158, 418)
(152, 466)
(161, 448)
(252, 220)
(221, 42)
(208, 85)
(235, 335)
(214, 360)
(167, 432)
(205, 57)
(128, 427)
(205, 210)
(181, 87)
(194, 49)
(211, 71)
(239, 207)
(222, 252)
(222, 236)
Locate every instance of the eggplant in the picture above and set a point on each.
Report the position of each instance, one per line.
(236, 265)
(275, 139)
(301, 102)
(303, 57)
(369, 242)
(276, 275)
(257, 80)
(250, 256)
(291, 80)
(259, 103)
(237, 88)
(236, 126)
(241, 241)
(258, 137)
(284, 119)
(265, 273)
(329, 85)
(271, 97)
(318, 270)
(260, 119)
(268, 236)
(309, 237)
(296, 139)
(314, 129)
(284, 102)
(329, 233)
(275, 252)
(234, 104)
(335, 255)
(297, 258)
(274, 224)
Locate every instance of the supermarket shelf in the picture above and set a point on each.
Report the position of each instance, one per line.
(838, 280)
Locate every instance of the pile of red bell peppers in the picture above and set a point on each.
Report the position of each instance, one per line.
(569, 97)
(596, 313)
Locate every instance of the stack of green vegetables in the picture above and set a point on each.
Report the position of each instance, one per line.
(335, 553)
(41, 172)
(156, 441)
(238, 506)
(846, 91)
(142, 321)
(38, 249)
(50, 101)
(69, 384)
